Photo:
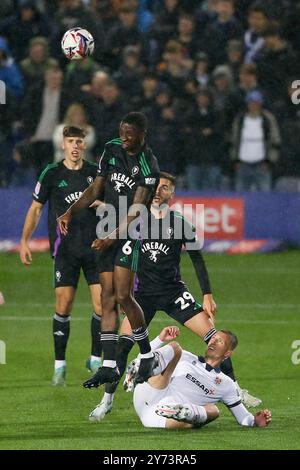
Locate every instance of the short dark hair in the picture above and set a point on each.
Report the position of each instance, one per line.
(74, 131)
(168, 176)
(233, 338)
(136, 119)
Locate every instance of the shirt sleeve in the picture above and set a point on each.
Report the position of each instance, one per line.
(189, 236)
(200, 270)
(149, 172)
(242, 415)
(231, 396)
(43, 187)
(104, 163)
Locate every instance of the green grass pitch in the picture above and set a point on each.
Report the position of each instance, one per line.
(258, 298)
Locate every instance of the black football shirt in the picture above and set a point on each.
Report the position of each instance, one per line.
(125, 173)
(161, 242)
(62, 187)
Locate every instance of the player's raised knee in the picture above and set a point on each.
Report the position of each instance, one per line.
(122, 297)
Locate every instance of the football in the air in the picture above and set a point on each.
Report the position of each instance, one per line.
(77, 43)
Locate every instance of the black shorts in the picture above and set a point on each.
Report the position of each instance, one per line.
(179, 304)
(67, 268)
(124, 253)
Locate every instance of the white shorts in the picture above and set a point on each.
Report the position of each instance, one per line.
(145, 399)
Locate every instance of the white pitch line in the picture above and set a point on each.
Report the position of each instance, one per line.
(155, 320)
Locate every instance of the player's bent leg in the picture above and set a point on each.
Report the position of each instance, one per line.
(194, 415)
(200, 324)
(123, 286)
(61, 330)
(169, 357)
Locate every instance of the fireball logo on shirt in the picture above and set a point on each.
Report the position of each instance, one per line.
(153, 256)
(218, 380)
(121, 181)
(118, 186)
(155, 249)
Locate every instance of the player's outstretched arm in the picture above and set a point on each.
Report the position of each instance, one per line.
(31, 222)
(88, 197)
(261, 419)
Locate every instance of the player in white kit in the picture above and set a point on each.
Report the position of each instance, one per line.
(184, 393)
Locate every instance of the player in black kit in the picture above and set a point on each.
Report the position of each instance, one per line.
(127, 168)
(61, 184)
(159, 285)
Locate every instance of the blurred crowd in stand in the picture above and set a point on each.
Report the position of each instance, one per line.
(215, 79)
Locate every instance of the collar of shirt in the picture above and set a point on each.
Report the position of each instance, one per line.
(208, 367)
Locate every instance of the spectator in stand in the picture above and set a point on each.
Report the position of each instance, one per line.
(221, 29)
(255, 146)
(24, 25)
(104, 14)
(175, 68)
(91, 97)
(235, 56)
(276, 63)
(236, 101)
(124, 34)
(107, 121)
(9, 72)
(163, 26)
(186, 35)
(75, 116)
(164, 130)
(130, 74)
(222, 90)
(35, 64)
(78, 74)
(201, 70)
(10, 96)
(258, 21)
(149, 88)
(203, 145)
(42, 110)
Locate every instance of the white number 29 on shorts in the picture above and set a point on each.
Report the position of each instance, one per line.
(182, 300)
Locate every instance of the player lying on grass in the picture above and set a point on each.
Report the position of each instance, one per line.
(160, 287)
(186, 388)
(61, 184)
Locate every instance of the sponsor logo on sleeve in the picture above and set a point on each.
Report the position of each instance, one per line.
(150, 180)
(37, 188)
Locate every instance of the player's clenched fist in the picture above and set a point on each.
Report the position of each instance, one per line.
(169, 333)
(64, 221)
